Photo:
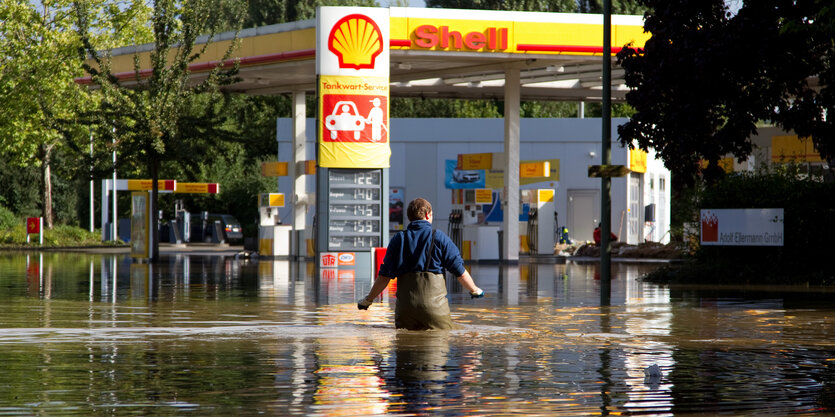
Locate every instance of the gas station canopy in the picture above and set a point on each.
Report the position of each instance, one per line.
(437, 53)
(443, 53)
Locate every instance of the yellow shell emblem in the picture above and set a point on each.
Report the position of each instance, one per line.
(356, 40)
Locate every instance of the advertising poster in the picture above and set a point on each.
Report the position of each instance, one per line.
(457, 179)
(396, 208)
(354, 122)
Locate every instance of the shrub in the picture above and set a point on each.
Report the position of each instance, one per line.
(8, 219)
(809, 210)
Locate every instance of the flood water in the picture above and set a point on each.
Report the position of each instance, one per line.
(84, 334)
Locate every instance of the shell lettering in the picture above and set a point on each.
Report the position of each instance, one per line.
(357, 41)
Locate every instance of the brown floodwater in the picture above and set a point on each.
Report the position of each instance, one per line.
(85, 334)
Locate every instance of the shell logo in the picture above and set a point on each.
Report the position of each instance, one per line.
(357, 41)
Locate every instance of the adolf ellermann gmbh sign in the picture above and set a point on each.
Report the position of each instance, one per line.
(742, 227)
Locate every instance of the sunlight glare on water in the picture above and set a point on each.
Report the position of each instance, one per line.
(91, 334)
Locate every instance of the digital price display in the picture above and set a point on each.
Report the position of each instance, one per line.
(354, 209)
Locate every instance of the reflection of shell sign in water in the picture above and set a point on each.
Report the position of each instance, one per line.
(357, 41)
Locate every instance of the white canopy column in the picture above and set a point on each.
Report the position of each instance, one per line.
(299, 177)
(510, 244)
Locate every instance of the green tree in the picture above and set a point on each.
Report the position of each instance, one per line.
(706, 78)
(618, 6)
(810, 112)
(147, 119)
(38, 62)
(520, 5)
(37, 65)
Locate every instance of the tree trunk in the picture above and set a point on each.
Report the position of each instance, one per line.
(47, 185)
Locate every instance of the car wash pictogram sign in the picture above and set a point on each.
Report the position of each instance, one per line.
(354, 117)
(353, 87)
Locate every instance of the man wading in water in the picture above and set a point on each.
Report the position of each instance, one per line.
(417, 258)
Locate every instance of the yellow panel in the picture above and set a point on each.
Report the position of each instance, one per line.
(475, 161)
(637, 160)
(624, 34)
(466, 250)
(399, 28)
(790, 148)
(428, 33)
(265, 247)
(559, 34)
(197, 187)
(250, 46)
(275, 200)
(534, 169)
(364, 150)
(787, 148)
(147, 185)
(310, 167)
(554, 169)
(545, 196)
(274, 169)
(483, 196)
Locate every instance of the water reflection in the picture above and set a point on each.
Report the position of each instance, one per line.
(98, 334)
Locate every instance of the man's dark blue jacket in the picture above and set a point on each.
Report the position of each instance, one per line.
(407, 252)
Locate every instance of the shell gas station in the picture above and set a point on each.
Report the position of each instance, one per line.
(352, 167)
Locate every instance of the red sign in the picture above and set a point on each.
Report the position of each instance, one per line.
(428, 36)
(710, 228)
(327, 260)
(33, 225)
(379, 255)
(354, 118)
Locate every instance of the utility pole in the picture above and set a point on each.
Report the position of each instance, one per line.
(606, 156)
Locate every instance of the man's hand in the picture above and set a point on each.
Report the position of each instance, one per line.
(363, 304)
(477, 294)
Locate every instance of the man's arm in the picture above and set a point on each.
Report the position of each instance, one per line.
(380, 284)
(467, 282)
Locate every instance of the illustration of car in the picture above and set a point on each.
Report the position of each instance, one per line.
(345, 118)
(465, 176)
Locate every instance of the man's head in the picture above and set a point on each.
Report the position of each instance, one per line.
(418, 209)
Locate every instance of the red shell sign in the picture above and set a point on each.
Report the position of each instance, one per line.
(357, 41)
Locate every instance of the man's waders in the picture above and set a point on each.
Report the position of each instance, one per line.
(421, 298)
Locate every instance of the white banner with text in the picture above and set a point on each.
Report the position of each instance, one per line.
(742, 227)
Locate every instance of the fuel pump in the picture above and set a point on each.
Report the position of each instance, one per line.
(540, 226)
(533, 232)
(181, 230)
(273, 237)
(454, 227)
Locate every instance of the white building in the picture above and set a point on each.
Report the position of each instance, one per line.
(420, 148)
